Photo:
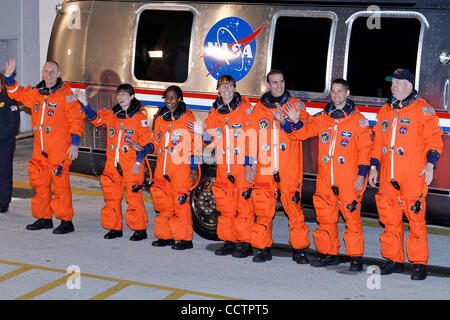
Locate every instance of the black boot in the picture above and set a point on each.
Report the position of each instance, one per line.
(4, 209)
(327, 260)
(228, 247)
(64, 227)
(163, 242)
(182, 245)
(113, 234)
(391, 267)
(243, 250)
(356, 264)
(300, 257)
(40, 224)
(419, 272)
(263, 255)
(139, 235)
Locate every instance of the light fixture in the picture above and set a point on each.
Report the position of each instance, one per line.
(155, 54)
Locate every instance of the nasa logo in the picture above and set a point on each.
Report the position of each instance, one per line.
(230, 48)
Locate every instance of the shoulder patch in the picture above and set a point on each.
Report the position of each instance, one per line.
(145, 123)
(428, 110)
(300, 105)
(71, 98)
(363, 123)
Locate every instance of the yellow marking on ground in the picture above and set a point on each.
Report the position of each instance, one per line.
(121, 282)
(14, 273)
(84, 192)
(106, 294)
(175, 295)
(43, 289)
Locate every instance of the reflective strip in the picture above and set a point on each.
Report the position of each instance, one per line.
(15, 89)
(394, 130)
(227, 139)
(331, 151)
(166, 144)
(275, 155)
(116, 158)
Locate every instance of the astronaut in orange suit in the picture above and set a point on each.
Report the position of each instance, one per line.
(343, 163)
(275, 164)
(176, 169)
(58, 124)
(407, 146)
(225, 130)
(127, 128)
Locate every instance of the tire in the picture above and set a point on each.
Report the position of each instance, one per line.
(204, 213)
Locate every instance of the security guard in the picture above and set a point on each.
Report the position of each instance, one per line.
(276, 166)
(9, 124)
(407, 146)
(58, 124)
(127, 123)
(227, 123)
(343, 163)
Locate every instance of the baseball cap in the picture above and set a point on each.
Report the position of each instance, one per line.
(402, 74)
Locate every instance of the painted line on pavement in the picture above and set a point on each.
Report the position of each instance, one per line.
(176, 293)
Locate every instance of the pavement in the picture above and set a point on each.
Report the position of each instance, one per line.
(81, 265)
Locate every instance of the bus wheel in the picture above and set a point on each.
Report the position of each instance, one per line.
(204, 213)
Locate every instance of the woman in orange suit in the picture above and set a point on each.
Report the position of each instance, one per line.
(227, 122)
(127, 125)
(176, 168)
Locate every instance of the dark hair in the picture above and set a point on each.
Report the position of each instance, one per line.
(225, 78)
(341, 81)
(128, 88)
(273, 71)
(175, 89)
(2, 83)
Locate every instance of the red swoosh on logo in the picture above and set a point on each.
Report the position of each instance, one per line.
(246, 41)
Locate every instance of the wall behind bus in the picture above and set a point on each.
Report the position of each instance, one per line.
(25, 27)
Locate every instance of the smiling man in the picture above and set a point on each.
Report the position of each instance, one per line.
(343, 162)
(407, 145)
(58, 124)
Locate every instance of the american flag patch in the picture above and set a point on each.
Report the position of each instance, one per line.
(14, 108)
(71, 98)
(428, 110)
(363, 123)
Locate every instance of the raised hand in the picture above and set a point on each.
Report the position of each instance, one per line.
(292, 112)
(279, 115)
(196, 127)
(81, 96)
(10, 67)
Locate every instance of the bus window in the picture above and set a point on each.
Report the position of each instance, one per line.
(300, 50)
(162, 45)
(375, 53)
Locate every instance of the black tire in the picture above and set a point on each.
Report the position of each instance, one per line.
(204, 213)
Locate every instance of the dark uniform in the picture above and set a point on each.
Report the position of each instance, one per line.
(9, 124)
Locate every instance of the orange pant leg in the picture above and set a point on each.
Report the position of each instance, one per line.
(61, 203)
(264, 204)
(136, 215)
(40, 180)
(326, 236)
(390, 214)
(113, 194)
(417, 241)
(298, 230)
(163, 204)
(353, 235)
(181, 221)
(224, 196)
